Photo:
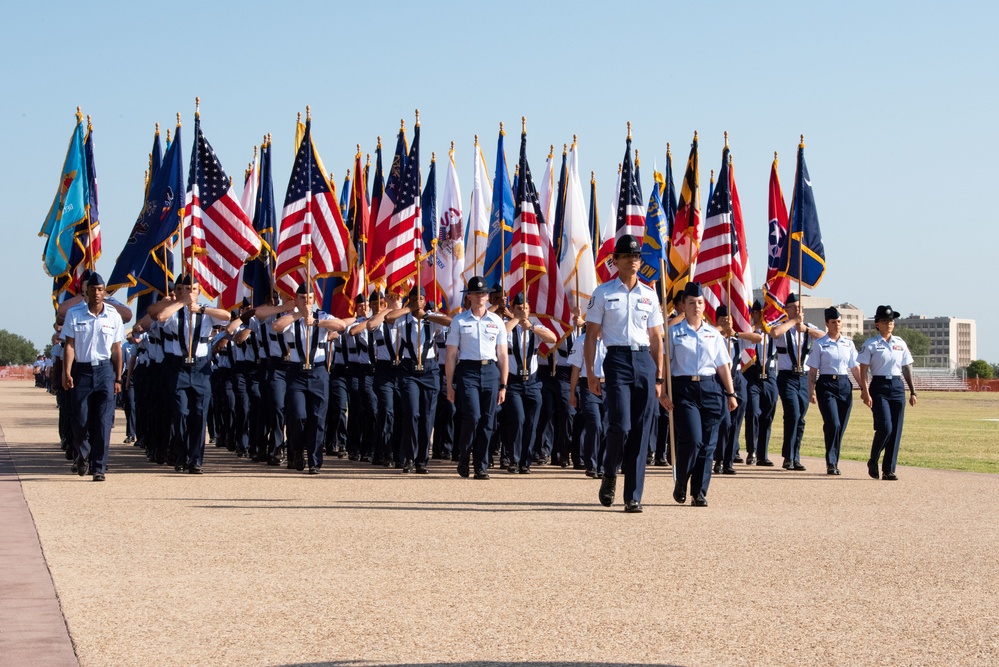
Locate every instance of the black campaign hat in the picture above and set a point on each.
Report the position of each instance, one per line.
(885, 313)
(692, 289)
(831, 313)
(476, 285)
(628, 245)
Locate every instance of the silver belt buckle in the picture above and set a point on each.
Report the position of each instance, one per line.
(635, 347)
(95, 364)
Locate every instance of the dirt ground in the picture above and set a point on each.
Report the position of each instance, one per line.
(251, 565)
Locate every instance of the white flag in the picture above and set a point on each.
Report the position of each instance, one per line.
(576, 265)
(451, 244)
(477, 233)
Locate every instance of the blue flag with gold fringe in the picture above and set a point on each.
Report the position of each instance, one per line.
(803, 256)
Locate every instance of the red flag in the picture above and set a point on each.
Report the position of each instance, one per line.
(777, 286)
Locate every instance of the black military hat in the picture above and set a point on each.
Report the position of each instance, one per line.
(692, 289)
(303, 289)
(360, 298)
(791, 298)
(885, 313)
(721, 311)
(628, 245)
(832, 313)
(519, 299)
(497, 289)
(376, 296)
(94, 279)
(186, 279)
(417, 292)
(476, 285)
(757, 306)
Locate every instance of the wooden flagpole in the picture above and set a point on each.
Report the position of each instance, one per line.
(666, 364)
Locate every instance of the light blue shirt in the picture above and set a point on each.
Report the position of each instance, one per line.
(696, 352)
(407, 328)
(173, 330)
(477, 338)
(386, 350)
(294, 338)
(525, 344)
(833, 357)
(93, 335)
(625, 316)
(576, 357)
(357, 345)
(885, 357)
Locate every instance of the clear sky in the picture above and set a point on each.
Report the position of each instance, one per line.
(896, 100)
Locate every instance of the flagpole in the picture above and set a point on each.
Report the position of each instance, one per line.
(90, 227)
(666, 369)
(797, 199)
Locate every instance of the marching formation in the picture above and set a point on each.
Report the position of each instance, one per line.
(375, 329)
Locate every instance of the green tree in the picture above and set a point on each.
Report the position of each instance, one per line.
(918, 342)
(16, 349)
(980, 369)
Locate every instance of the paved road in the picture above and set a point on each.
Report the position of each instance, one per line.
(249, 565)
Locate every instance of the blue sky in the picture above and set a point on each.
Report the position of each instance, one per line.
(896, 100)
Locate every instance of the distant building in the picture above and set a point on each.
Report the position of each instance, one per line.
(953, 341)
(814, 309)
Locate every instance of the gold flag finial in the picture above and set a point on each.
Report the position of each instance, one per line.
(667, 149)
(433, 157)
(358, 150)
(726, 138)
(254, 152)
(168, 135)
(477, 136)
(90, 125)
(619, 167)
(502, 131)
(452, 148)
(523, 124)
(695, 135)
(565, 149)
(308, 112)
(299, 117)
(417, 118)
(157, 128)
(551, 151)
(79, 114)
(593, 178)
(629, 129)
(802, 144)
(178, 119)
(197, 107)
(730, 159)
(712, 175)
(775, 155)
(369, 159)
(636, 158)
(270, 138)
(574, 141)
(379, 141)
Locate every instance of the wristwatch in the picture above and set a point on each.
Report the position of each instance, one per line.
(732, 395)
(659, 380)
(502, 386)
(202, 311)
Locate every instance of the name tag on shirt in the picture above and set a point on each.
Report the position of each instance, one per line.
(467, 328)
(612, 304)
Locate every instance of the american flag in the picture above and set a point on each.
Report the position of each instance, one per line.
(313, 237)
(218, 235)
(402, 243)
(239, 289)
(630, 208)
(742, 276)
(714, 260)
(533, 253)
(383, 208)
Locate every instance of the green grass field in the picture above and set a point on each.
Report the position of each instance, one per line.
(946, 430)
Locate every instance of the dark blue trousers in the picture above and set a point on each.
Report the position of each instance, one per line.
(192, 385)
(92, 415)
(361, 418)
(761, 406)
(308, 400)
(386, 387)
(336, 414)
(793, 390)
(418, 409)
(240, 407)
(630, 397)
(554, 432)
(253, 376)
(444, 421)
(731, 424)
(277, 385)
(476, 389)
(592, 413)
(835, 400)
(698, 408)
(521, 410)
(888, 396)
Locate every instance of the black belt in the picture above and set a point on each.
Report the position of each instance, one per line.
(473, 363)
(696, 378)
(793, 372)
(628, 348)
(84, 365)
(831, 376)
(518, 378)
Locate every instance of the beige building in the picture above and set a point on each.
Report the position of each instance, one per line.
(953, 341)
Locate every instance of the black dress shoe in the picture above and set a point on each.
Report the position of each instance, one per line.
(889, 477)
(99, 477)
(512, 470)
(766, 463)
(717, 467)
(590, 472)
(660, 462)
(81, 467)
(524, 470)
(481, 475)
(421, 470)
(835, 471)
(633, 507)
(680, 493)
(195, 470)
(737, 459)
(699, 501)
(798, 466)
(608, 486)
(787, 465)
(750, 460)
(463, 469)
(313, 470)
(830, 470)
(728, 471)
(407, 466)
(872, 469)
